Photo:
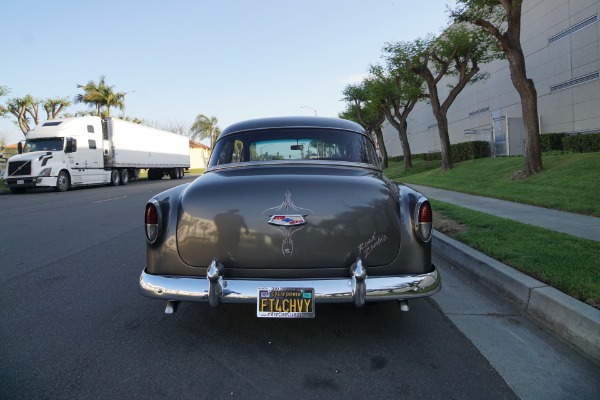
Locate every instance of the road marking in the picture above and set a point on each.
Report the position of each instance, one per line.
(116, 198)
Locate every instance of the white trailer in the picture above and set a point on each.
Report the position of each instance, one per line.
(80, 151)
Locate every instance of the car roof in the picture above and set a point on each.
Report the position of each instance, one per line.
(292, 122)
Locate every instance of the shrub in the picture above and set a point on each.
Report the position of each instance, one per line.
(552, 141)
(583, 143)
(460, 152)
(469, 150)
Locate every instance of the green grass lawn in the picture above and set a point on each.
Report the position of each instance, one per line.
(569, 182)
(565, 262)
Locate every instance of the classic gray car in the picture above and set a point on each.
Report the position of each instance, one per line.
(291, 213)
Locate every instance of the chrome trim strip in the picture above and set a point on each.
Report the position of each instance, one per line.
(336, 290)
(300, 163)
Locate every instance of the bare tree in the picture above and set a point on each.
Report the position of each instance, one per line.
(3, 140)
(501, 20)
(3, 92)
(179, 127)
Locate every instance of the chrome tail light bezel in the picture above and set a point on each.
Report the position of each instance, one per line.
(423, 220)
(153, 223)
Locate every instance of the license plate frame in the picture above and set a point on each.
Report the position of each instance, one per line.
(285, 302)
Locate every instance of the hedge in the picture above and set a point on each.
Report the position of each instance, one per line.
(552, 141)
(461, 152)
(583, 143)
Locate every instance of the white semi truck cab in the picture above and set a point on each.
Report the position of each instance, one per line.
(81, 151)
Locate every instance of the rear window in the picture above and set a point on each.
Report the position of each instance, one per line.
(294, 144)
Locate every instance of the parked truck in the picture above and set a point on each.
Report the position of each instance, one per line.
(80, 151)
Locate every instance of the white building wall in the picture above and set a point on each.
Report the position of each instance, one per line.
(558, 50)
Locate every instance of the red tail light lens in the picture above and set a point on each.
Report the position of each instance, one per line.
(152, 220)
(424, 220)
(425, 213)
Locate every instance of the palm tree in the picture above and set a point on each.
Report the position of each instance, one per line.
(93, 94)
(112, 99)
(101, 95)
(204, 127)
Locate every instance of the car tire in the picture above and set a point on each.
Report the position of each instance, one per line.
(115, 177)
(124, 177)
(62, 182)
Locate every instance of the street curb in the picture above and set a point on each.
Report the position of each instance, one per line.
(571, 319)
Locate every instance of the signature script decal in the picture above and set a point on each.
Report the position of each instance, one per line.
(287, 224)
(367, 247)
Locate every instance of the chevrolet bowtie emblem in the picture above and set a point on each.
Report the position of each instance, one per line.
(287, 220)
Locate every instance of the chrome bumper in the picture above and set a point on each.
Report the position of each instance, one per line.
(356, 289)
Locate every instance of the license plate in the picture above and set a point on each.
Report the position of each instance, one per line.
(284, 302)
(20, 182)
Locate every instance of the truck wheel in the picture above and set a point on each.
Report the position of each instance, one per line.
(124, 177)
(181, 173)
(115, 177)
(62, 182)
(173, 174)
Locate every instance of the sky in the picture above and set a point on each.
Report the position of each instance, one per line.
(230, 59)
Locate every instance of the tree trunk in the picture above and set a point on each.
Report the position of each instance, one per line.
(526, 89)
(382, 149)
(439, 113)
(442, 121)
(402, 128)
(510, 43)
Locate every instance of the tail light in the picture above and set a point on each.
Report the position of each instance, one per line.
(424, 220)
(153, 220)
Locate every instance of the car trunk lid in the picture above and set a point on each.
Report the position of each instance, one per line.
(289, 218)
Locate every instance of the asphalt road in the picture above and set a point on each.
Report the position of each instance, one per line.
(75, 327)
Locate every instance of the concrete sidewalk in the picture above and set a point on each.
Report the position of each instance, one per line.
(582, 226)
(573, 320)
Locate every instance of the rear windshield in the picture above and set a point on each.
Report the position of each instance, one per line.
(294, 144)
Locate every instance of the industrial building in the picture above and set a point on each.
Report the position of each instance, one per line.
(561, 42)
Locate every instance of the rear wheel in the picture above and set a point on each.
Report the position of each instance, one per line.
(62, 182)
(124, 177)
(173, 174)
(115, 177)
